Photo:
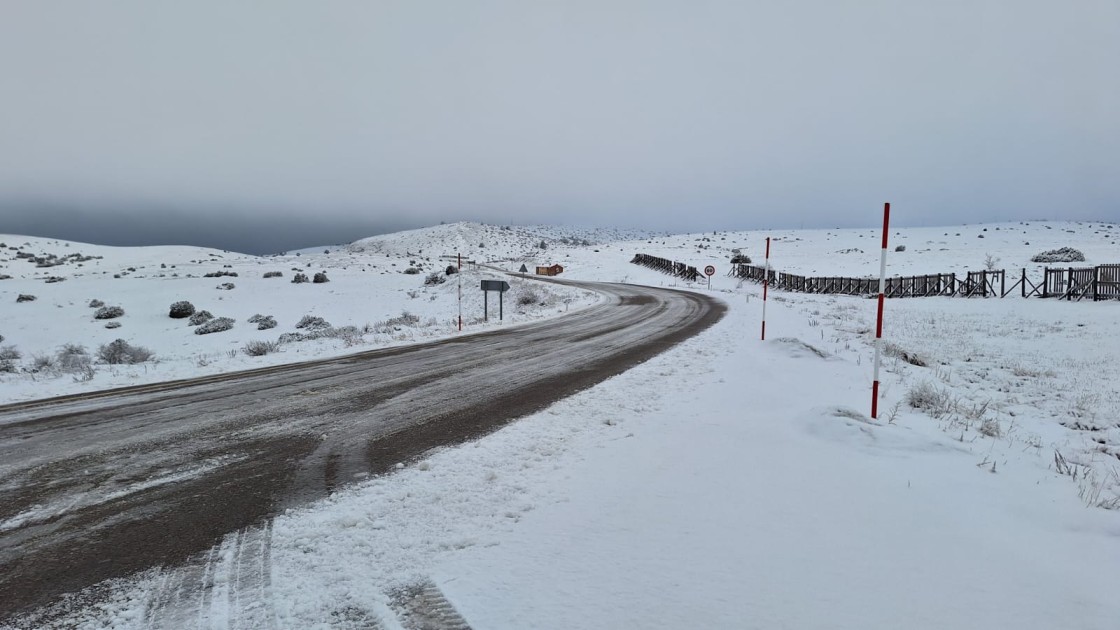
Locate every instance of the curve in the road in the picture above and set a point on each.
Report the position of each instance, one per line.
(102, 486)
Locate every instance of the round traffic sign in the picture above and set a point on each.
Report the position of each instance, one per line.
(710, 270)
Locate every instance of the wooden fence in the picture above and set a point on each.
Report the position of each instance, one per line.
(1097, 283)
(664, 265)
(1080, 283)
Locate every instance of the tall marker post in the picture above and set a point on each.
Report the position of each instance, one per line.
(765, 286)
(460, 276)
(879, 318)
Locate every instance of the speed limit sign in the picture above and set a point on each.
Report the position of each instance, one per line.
(709, 270)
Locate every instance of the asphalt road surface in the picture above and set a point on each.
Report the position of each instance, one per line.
(103, 485)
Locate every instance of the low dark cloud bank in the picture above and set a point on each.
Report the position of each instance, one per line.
(245, 232)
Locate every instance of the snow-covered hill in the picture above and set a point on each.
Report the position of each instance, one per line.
(726, 483)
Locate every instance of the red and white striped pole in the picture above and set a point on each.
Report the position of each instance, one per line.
(765, 286)
(879, 318)
(460, 277)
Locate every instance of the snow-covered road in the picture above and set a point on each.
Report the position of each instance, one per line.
(99, 487)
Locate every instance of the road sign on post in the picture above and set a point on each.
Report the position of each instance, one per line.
(709, 271)
(501, 286)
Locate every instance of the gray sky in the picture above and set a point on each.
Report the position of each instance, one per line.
(167, 121)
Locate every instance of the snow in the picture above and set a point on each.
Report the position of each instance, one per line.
(736, 483)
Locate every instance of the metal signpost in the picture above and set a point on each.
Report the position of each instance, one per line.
(501, 286)
(459, 259)
(709, 271)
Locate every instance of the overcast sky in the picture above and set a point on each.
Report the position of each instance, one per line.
(319, 122)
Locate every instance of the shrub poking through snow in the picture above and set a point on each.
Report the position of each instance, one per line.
(181, 309)
(218, 324)
(225, 286)
(320, 278)
(929, 399)
(121, 352)
(260, 348)
(25, 298)
(108, 312)
(396, 323)
(312, 322)
(263, 322)
(451, 270)
(299, 278)
(898, 352)
(72, 357)
(434, 278)
(412, 271)
(527, 297)
(273, 274)
(42, 363)
(112, 324)
(96, 303)
(8, 357)
(201, 317)
(1064, 254)
(900, 248)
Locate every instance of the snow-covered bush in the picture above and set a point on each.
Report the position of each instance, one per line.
(201, 317)
(72, 357)
(388, 326)
(218, 324)
(273, 274)
(112, 324)
(225, 286)
(95, 303)
(299, 278)
(412, 271)
(263, 322)
(260, 348)
(1064, 254)
(434, 279)
(312, 322)
(320, 278)
(42, 363)
(8, 357)
(108, 312)
(181, 309)
(900, 248)
(527, 297)
(898, 352)
(122, 352)
(351, 335)
(22, 297)
(451, 270)
(928, 398)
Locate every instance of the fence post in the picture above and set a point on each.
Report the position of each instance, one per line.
(1069, 286)
(1096, 277)
(1002, 284)
(1024, 282)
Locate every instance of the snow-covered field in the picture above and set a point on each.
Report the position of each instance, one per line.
(727, 483)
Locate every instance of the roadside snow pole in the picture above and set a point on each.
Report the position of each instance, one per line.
(879, 317)
(765, 286)
(460, 277)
